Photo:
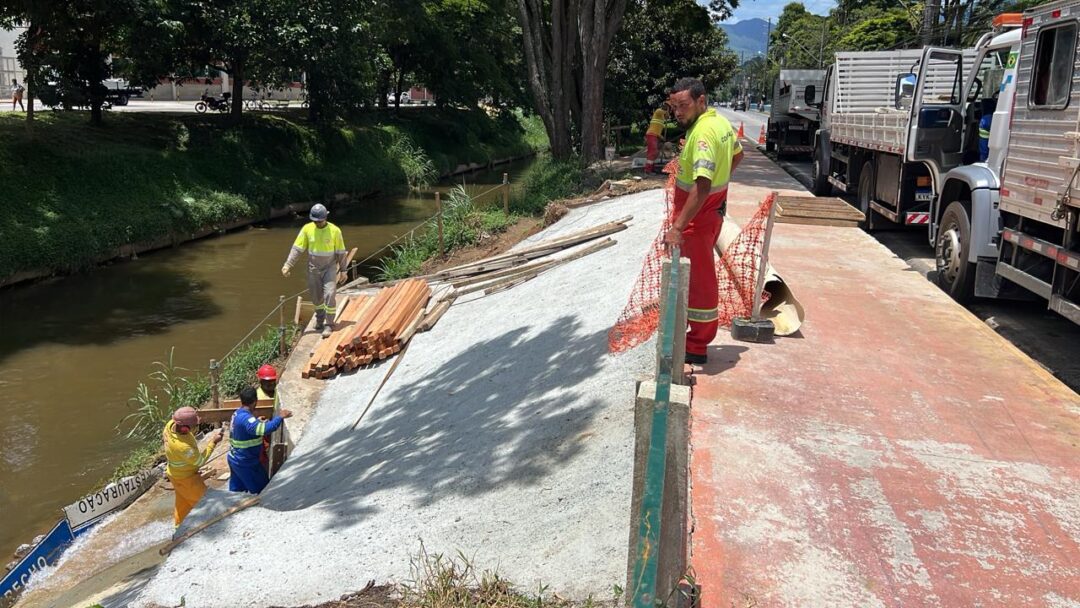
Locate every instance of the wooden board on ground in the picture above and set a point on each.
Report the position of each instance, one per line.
(817, 211)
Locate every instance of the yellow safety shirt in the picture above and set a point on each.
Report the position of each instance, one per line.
(182, 455)
(710, 146)
(656, 125)
(323, 245)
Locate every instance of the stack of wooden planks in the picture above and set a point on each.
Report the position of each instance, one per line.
(370, 327)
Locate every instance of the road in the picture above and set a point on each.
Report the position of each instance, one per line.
(1044, 336)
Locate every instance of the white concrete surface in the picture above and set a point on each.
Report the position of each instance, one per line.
(506, 434)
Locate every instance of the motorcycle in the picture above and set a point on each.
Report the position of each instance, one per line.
(209, 102)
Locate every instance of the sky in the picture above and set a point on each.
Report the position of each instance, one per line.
(763, 9)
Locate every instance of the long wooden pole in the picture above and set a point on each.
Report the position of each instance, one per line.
(438, 212)
(506, 193)
(390, 372)
(254, 500)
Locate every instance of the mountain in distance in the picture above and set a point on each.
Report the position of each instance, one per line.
(747, 37)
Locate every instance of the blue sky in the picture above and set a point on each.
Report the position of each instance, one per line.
(748, 9)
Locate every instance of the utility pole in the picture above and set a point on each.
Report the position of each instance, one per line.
(821, 53)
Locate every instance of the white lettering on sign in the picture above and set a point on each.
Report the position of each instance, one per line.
(115, 496)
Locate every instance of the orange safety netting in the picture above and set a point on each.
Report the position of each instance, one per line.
(736, 274)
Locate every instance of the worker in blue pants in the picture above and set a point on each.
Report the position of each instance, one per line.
(246, 472)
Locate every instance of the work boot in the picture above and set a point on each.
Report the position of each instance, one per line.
(327, 330)
(319, 323)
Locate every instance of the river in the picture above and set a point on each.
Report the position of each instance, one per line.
(73, 349)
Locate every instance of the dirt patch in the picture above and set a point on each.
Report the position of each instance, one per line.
(383, 596)
(487, 247)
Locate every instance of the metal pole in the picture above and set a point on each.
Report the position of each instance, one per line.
(759, 283)
(438, 213)
(506, 193)
(281, 326)
(821, 53)
(216, 394)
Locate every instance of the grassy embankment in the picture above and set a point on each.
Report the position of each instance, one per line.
(74, 193)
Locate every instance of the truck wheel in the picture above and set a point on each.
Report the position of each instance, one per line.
(122, 100)
(770, 138)
(821, 185)
(866, 193)
(955, 275)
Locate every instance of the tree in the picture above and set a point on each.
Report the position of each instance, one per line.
(32, 14)
(888, 31)
(661, 41)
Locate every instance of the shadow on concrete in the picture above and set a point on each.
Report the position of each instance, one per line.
(722, 357)
(503, 412)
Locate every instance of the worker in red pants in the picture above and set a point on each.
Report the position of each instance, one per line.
(653, 137)
(707, 160)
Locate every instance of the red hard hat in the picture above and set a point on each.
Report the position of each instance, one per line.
(267, 372)
(186, 416)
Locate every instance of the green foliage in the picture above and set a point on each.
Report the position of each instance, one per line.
(660, 42)
(238, 370)
(548, 179)
(414, 162)
(889, 30)
(76, 193)
(172, 390)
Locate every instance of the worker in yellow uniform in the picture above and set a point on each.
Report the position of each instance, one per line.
(653, 137)
(183, 459)
(326, 257)
(706, 162)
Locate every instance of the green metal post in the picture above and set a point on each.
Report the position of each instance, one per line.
(652, 496)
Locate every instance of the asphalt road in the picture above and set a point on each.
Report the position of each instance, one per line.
(1046, 337)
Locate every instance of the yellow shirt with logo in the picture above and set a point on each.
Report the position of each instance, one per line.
(656, 125)
(711, 145)
(182, 454)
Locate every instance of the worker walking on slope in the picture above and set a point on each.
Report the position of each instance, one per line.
(706, 163)
(653, 137)
(326, 256)
(183, 459)
(246, 472)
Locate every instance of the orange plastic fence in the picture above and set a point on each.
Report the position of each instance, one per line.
(736, 273)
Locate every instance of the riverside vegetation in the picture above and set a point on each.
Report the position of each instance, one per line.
(75, 193)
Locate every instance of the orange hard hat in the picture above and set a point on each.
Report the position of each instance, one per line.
(267, 372)
(186, 416)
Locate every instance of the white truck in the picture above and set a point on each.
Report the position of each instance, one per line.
(792, 121)
(1011, 222)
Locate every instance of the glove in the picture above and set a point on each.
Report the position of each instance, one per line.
(284, 271)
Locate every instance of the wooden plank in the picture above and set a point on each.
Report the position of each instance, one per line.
(343, 277)
(808, 221)
(264, 408)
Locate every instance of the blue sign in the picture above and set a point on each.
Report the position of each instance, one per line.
(44, 554)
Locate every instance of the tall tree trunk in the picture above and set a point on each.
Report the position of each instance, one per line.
(599, 21)
(397, 89)
(237, 112)
(29, 97)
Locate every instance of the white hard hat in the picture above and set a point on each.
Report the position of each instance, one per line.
(318, 213)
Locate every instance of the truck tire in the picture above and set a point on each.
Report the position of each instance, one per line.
(866, 191)
(955, 274)
(820, 185)
(770, 137)
(122, 100)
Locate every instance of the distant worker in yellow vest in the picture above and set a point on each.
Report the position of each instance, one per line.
(326, 257)
(653, 137)
(183, 459)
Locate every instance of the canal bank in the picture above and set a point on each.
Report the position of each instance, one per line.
(78, 195)
(74, 349)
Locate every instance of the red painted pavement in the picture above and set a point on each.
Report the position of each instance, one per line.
(897, 452)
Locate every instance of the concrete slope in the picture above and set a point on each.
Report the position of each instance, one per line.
(506, 434)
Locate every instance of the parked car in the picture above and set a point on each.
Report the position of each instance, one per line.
(738, 105)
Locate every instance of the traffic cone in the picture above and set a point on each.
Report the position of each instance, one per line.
(761, 136)
(741, 132)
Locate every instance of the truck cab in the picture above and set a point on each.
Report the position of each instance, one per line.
(964, 217)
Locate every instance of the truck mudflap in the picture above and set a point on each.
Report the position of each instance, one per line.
(909, 218)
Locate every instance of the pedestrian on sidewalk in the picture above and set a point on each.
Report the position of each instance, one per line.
(246, 432)
(183, 459)
(710, 155)
(654, 136)
(326, 256)
(17, 91)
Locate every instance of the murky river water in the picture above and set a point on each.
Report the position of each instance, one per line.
(73, 349)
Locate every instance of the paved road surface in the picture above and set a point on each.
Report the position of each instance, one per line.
(1045, 336)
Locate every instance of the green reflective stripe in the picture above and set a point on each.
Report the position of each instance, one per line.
(329, 310)
(702, 315)
(177, 465)
(240, 444)
(260, 429)
(983, 133)
(320, 307)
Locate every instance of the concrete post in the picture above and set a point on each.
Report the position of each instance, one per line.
(674, 556)
(678, 353)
